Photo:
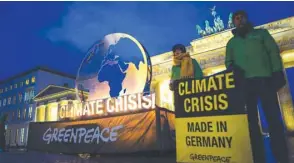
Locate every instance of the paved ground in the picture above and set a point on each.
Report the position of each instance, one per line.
(39, 157)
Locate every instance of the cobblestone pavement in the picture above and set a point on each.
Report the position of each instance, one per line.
(41, 157)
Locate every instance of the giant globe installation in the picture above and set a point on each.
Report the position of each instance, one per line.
(114, 66)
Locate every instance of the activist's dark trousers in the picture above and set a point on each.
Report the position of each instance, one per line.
(261, 88)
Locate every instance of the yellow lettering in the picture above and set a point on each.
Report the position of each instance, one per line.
(220, 81)
(223, 101)
(200, 86)
(208, 102)
(211, 84)
(181, 89)
(201, 104)
(67, 111)
(187, 108)
(187, 91)
(195, 105)
(230, 80)
(61, 112)
(193, 86)
(215, 102)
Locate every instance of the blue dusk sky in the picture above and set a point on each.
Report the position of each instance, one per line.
(57, 34)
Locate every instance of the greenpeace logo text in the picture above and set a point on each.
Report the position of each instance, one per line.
(211, 158)
(81, 135)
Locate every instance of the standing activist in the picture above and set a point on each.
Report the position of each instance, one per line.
(255, 53)
(183, 65)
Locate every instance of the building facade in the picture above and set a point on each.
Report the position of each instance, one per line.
(209, 51)
(49, 101)
(16, 99)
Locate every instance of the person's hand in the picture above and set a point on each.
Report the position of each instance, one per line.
(171, 85)
(278, 80)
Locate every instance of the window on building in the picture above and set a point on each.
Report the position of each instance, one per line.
(24, 113)
(29, 94)
(21, 84)
(15, 85)
(9, 101)
(18, 114)
(9, 118)
(27, 82)
(0, 103)
(4, 102)
(1, 90)
(14, 100)
(8, 135)
(22, 135)
(6, 89)
(26, 96)
(11, 87)
(17, 136)
(32, 94)
(13, 116)
(20, 97)
(33, 80)
(30, 111)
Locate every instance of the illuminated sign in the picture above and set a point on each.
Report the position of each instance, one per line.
(114, 73)
(100, 107)
(115, 66)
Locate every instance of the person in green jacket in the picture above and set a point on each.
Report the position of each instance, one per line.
(255, 54)
(183, 65)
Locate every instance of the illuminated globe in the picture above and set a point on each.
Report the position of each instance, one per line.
(114, 66)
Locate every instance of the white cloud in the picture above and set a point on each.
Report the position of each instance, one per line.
(156, 24)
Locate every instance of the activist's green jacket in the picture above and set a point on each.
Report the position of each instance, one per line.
(176, 71)
(257, 54)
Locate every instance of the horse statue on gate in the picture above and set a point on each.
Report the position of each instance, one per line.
(200, 31)
(208, 29)
(230, 22)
